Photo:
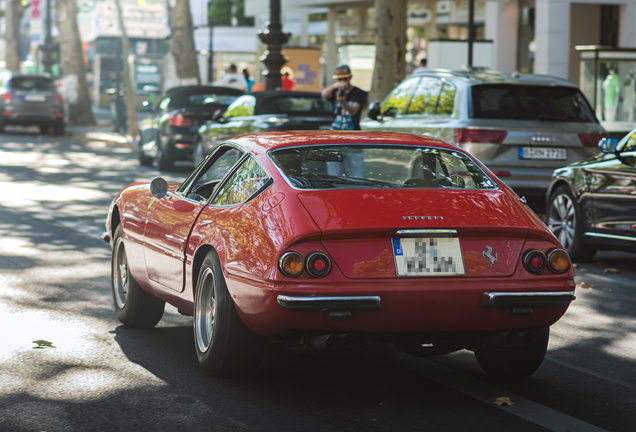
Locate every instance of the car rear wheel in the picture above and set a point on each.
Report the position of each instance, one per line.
(565, 221)
(520, 360)
(224, 344)
(162, 159)
(134, 306)
(58, 128)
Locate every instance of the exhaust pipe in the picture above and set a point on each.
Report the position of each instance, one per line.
(322, 342)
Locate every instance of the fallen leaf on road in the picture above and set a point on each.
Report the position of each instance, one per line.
(42, 344)
(610, 270)
(575, 265)
(600, 263)
(503, 401)
(586, 285)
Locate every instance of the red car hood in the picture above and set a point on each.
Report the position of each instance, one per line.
(358, 225)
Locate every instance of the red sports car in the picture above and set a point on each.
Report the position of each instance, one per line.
(340, 240)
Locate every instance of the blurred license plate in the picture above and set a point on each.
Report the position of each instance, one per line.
(35, 98)
(542, 153)
(428, 256)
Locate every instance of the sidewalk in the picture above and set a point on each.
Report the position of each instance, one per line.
(103, 130)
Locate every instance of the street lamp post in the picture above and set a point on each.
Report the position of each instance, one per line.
(211, 58)
(47, 47)
(274, 38)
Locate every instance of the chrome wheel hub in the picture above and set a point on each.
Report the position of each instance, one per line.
(120, 274)
(205, 311)
(562, 219)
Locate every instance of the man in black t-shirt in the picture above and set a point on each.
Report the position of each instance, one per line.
(347, 100)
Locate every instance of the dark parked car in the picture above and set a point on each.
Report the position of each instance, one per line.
(592, 203)
(31, 100)
(521, 126)
(265, 111)
(168, 134)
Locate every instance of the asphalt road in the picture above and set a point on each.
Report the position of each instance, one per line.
(87, 372)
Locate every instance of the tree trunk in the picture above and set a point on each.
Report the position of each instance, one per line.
(74, 84)
(130, 94)
(182, 35)
(13, 14)
(390, 47)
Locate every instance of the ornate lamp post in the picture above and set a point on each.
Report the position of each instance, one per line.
(274, 38)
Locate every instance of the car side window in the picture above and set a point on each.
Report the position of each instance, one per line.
(242, 107)
(424, 99)
(630, 145)
(246, 181)
(446, 100)
(204, 180)
(397, 101)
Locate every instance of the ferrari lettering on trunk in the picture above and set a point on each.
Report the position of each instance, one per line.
(428, 256)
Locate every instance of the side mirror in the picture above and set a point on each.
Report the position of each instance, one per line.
(374, 111)
(608, 145)
(158, 187)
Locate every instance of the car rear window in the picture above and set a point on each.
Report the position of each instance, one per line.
(526, 102)
(303, 105)
(198, 99)
(29, 83)
(379, 167)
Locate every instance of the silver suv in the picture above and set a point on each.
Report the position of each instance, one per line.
(28, 100)
(521, 126)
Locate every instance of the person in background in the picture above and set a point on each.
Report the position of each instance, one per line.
(248, 81)
(288, 81)
(422, 67)
(233, 79)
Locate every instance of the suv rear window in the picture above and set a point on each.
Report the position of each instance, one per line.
(27, 83)
(525, 102)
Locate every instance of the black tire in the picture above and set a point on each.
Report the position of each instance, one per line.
(134, 307)
(162, 159)
(58, 128)
(198, 155)
(1, 127)
(224, 344)
(565, 221)
(143, 159)
(514, 362)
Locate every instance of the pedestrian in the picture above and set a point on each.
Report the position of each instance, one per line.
(233, 79)
(348, 100)
(287, 79)
(248, 81)
(422, 67)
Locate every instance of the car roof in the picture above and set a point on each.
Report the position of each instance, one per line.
(494, 77)
(263, 142)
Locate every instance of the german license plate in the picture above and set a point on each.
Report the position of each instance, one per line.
(542, 153)
(35, 98)
(428, 256)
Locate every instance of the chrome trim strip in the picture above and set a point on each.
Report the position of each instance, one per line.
(329, 303)
(610, 236)
(426, 232)
(527, 299)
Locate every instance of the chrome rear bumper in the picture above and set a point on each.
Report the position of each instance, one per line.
(358, 303)
(526, 299)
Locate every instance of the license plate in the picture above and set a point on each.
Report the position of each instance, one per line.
(35, 98)
(542, 153)
(428, 256)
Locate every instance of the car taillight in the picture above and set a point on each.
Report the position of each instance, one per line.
(7, 97)
(318, 264)
(479, 136)
(180, 120)
(58, 99)
(558, 260)
(291, 264)
(591, 139)
(535, 261)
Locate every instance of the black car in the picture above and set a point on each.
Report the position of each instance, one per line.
(265, 111)
(31, 100)
(169, 133)
(592, 203)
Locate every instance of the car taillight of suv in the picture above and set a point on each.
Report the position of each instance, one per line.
(470, 135)
(591, 139)
(7, 97)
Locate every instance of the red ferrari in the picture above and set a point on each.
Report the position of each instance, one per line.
(345, 240)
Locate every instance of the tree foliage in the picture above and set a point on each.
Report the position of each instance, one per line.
(222, 11)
